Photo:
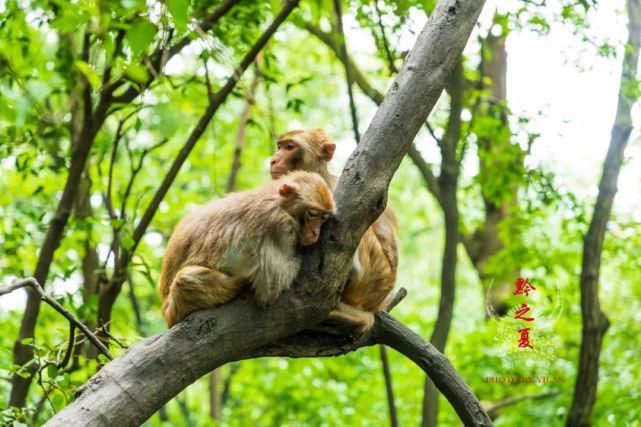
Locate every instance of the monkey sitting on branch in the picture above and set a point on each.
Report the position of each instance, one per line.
(244, 239)
(376, 259)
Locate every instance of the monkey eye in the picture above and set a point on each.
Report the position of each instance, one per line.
(313, 213)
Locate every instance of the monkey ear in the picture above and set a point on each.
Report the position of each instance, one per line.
(287, 190)
(327, 151)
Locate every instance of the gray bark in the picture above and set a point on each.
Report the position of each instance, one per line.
(131, 388)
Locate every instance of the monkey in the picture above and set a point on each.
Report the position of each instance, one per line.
(244, 240)
(376, 259)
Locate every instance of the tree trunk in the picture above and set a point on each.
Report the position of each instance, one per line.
(448, 185)
(497, 157)
(214, 395)
(128, 390)
(22, 353)
(594, 321)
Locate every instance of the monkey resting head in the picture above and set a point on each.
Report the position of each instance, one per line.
(246, 238)
(376, 259)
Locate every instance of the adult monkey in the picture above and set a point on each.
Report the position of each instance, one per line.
(243, 239)
(376, 258)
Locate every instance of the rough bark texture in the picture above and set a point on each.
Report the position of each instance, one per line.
(128, 390)
(594, 321)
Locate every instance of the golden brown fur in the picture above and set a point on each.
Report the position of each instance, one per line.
(376, 258)
(243, 239)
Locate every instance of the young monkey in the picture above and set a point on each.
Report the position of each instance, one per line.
(376, 258)
(243, 239)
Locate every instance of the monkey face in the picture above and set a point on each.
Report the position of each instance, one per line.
(288, 157)
(301, 150)
(311, 225)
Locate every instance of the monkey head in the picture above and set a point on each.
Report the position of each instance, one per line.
(307, 198)
(309, 150)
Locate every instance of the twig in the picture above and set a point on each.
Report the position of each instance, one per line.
(245, 115)
(348, 73)
(396, 299)
(388, 52)
(493, 409)
(103, 330)
(39, 380)
(389, 388)
(72, 335)
(33, 283)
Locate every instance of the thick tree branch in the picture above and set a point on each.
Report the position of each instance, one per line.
(377, 97)
(128, 390)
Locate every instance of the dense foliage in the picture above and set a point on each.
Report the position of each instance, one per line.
(57, 60)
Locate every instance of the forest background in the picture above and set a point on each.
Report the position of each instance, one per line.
(520, 138)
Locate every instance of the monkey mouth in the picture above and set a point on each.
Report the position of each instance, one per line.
(278, 174)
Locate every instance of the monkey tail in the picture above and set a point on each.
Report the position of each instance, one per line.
(345, 313)
(195, 288)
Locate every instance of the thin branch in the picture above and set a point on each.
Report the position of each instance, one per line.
(70, 346)
(493, 410)
(135, 170)
(210, 91)
(388, 52)
(103, 330)
(250, 100)
(342, 44)
(33, 283)
(433, 134)
(389, 388)
(396, 299)
(163, 54)
(426, 172)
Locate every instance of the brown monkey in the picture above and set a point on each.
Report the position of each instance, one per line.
(376, 258)
(246, 238)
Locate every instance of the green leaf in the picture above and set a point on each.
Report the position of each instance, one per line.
(137, 73)
(91, 76)
(140, 36)
(52, 371)
(127, 242)
(178, 9)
